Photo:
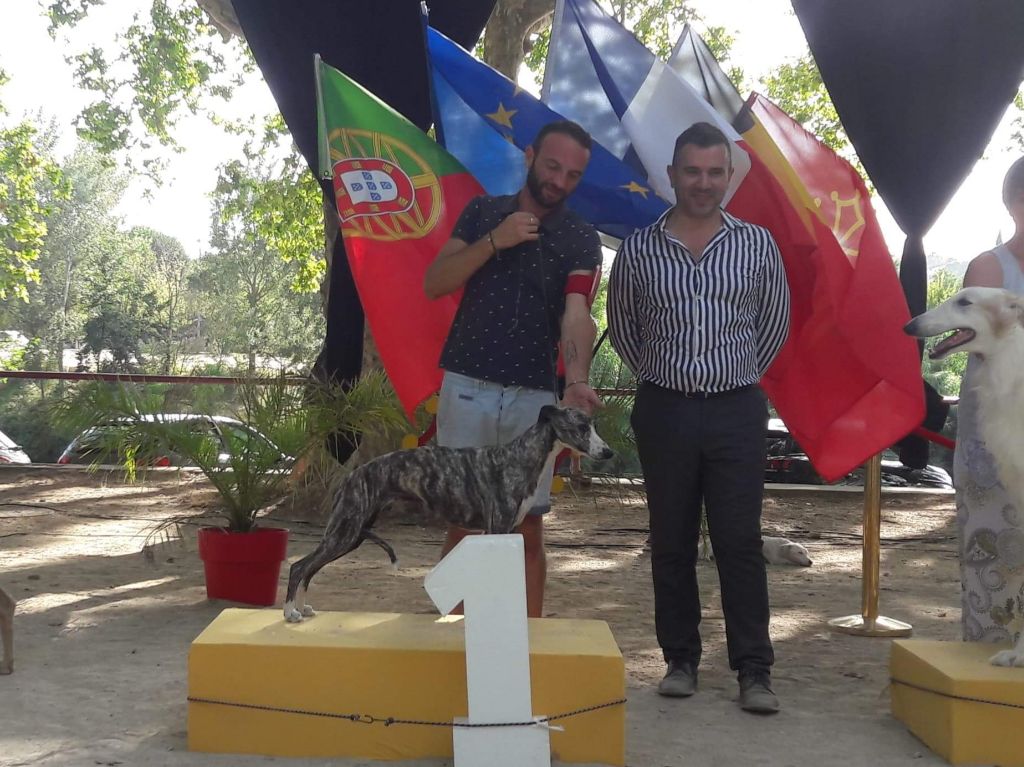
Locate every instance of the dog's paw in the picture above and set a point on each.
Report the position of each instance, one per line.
(1014, 657)
(308, 612)
(291, 615)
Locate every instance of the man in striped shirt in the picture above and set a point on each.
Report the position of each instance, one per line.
(698, 307)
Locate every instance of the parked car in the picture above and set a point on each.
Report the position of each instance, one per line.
(100, 444)
(788, 463)
(11, 452)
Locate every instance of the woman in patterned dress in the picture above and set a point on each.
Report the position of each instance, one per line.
(991, 529)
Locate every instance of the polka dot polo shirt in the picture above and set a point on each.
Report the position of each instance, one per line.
(509, 320)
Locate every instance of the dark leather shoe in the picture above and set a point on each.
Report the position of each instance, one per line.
(756, 694)
(680, 681)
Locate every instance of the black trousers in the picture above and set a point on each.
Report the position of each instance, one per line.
(709, 451)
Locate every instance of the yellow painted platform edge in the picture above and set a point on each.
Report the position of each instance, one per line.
(1004, 687)
(925, 716)
(220, 630)
(962, 732)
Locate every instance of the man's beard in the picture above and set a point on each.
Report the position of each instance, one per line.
(536, 189)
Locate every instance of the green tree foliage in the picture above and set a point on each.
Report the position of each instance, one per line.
(281, 200)
(797, 88)
(169, 283)
(1018, 121)
(944, 374)
(166, 62)
(119, 303)
(656, 23)
(81, 230)
(172, 57)
(28, 177)
(607, 369)
(254, 300)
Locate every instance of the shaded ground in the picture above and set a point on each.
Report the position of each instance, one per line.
(102, 634)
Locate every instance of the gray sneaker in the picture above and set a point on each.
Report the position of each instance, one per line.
(756, 693)
(680, 681)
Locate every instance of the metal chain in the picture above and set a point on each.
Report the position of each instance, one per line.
(390, 720)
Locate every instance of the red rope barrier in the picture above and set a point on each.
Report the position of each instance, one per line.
(46, 375)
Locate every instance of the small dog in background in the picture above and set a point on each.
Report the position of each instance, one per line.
(782, 551)
(990, 323)
(7, 631)
(477, 488)
(776, 551)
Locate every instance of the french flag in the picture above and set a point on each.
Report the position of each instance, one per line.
(630, 101)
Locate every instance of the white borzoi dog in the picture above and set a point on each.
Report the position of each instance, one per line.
(990, 323)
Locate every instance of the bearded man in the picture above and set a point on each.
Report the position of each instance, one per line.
(525, 263)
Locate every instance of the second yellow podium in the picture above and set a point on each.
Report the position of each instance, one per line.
(963, 708)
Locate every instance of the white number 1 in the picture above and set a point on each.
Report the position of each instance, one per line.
(487, 574)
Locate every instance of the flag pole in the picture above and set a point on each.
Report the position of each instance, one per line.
(869, 622)
(322, 139)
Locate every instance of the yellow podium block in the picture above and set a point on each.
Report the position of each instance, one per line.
(963, 708)
(259, 685)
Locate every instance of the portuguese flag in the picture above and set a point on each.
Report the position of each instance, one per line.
(398, 197)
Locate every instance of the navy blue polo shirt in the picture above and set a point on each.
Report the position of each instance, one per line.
(508, 324)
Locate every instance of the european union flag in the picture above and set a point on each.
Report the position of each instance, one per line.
(487, 121)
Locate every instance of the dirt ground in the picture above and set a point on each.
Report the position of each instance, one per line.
(102, 632)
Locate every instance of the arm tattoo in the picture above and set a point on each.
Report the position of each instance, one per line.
(571, 354)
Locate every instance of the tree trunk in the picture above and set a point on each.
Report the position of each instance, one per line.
(62, 338)
(222, 16)
(506, 31)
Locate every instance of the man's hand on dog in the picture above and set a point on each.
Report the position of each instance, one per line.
(581, 397)
(518, 227)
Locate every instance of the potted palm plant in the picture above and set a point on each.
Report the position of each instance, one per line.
(247, 457)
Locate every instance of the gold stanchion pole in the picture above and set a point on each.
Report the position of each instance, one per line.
(869, 623)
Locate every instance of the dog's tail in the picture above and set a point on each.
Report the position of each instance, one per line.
(371, 536)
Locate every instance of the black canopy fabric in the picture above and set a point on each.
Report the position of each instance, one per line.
(920, 86)
(379, 44)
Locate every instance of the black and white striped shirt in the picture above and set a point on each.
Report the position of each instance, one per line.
(699, 325)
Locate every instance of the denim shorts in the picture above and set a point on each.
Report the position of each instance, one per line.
(475, 413)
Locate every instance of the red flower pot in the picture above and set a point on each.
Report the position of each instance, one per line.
(243, 567)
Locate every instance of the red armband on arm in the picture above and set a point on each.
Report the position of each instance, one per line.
(579, 283)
